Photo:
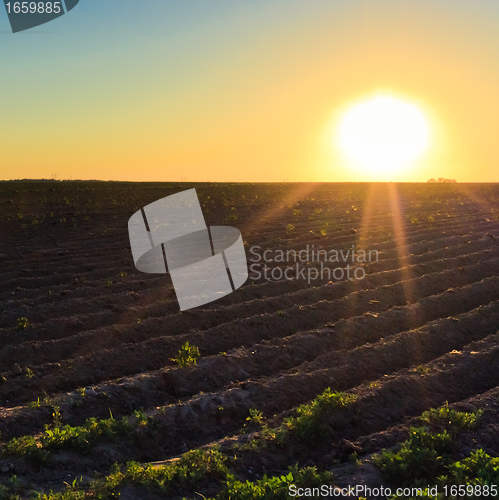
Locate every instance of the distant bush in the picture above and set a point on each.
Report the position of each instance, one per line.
(442, 179)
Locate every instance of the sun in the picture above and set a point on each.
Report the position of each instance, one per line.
(383, 134)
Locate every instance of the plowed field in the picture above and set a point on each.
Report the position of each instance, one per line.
(84, 334)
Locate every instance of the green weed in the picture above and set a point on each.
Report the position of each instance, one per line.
(81, 438)
(187, 355)
(453, 420)
(422, 369)
(22, 322)
(474, 476)
(311, 419)
(421, 458)
(33, 405)
(255, 417)
(25, 446)
(194, 467)
(273, 488)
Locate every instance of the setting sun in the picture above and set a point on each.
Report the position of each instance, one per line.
(383, 134)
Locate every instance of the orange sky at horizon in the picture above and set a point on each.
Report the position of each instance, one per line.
(252, 94)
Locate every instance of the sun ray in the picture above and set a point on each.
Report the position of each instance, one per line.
(298, 192)
(401, 242)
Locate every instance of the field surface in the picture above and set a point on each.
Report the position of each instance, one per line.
(89, 381)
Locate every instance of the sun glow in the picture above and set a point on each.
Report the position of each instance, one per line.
(382, 135)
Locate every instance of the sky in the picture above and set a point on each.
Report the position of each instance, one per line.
(245, 90)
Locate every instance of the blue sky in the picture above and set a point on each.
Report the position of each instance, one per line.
(240, 90)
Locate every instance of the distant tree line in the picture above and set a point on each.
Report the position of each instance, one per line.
(441, 179)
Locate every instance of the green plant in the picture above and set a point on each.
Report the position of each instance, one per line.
(252, 445)
(7, 494)
(71, 493)
(193, 468)
(22, 322)
(354, 457)
(187, 355)
(479, 468)
(422, 369)
(453, 420)
(421, 458)
(311, 419)
(14, 487)
(24, 446)
(80, 437)
(141, 417)
(255, 417)
(273, 488)
(33, 405)
(56, 415)
(474, 477)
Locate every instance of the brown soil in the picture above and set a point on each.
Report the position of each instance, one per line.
(430, 301)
